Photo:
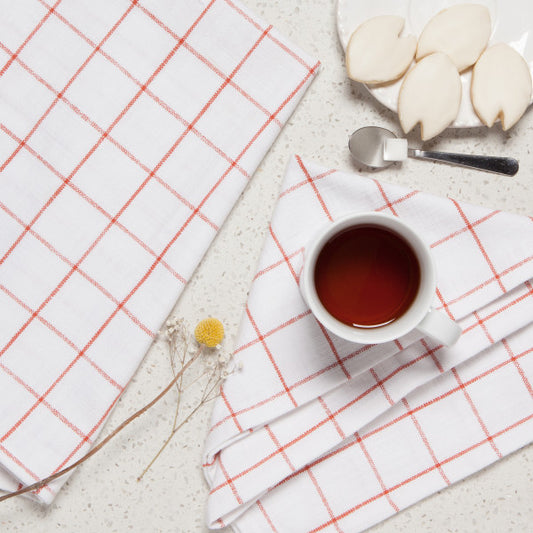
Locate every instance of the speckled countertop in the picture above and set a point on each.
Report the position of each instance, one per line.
(103, 495)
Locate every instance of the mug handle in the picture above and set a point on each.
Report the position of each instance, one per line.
(441, 328)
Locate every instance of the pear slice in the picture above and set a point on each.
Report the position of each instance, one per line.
(376, 53)
(461, 31)
(430, 94)
(501, 86)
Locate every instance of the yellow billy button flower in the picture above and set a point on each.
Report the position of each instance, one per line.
(209, 332)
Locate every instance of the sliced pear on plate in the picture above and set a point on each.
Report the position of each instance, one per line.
(501, 86)
(376, 53)
(430, 95)
(461, 31)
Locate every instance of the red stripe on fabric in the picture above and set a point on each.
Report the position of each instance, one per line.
(465, 229)
(306, 182)
(14, 55)
(270, 357)
(381, 385)
(334, 350)
(206, 62)
(444, 305)
(483, 327)
(431, 353)
(267, 518)
(323, 498)
(519, 369)
(69, 83)
(314, 187)
(228, 407)
(388, 204)
(331, 417)
(230, 481)
(272, 331)
(370, 461)
(333, 171)
(285, 256)
(148, 92)
(278, 263)
(62, 336)
(281, 449)
(425, 440)
(479, 244)
(91, 202)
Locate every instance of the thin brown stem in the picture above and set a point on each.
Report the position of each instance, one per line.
(39, 484)
(175, 428)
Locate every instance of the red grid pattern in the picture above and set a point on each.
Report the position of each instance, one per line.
(374, 400)
(110, 238)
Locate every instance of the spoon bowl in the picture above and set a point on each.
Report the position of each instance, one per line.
(366, 146)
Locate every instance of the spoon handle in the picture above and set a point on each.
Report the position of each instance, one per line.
(499, 165)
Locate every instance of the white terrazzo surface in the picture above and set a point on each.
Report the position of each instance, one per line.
(103, 495)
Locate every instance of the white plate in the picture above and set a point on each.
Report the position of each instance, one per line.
(512, 23)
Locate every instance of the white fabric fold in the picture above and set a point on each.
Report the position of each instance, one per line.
(304, 396)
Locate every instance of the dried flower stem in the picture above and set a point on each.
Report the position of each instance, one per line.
(205, 398)
(40, 484)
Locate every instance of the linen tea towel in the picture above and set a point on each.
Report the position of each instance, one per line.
(317, 434)
(128, 129)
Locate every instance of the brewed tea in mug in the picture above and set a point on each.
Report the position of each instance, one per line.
(367, 276)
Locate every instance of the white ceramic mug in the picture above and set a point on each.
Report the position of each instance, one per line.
(419, 315)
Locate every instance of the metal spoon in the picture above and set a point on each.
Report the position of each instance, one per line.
(366, 147)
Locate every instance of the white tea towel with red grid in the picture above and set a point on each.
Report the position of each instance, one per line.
(128, 131)
(317, 434)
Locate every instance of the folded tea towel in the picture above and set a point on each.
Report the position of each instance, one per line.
(128, 131)
(317, 434)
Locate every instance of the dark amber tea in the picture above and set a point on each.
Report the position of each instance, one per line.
(367, 276)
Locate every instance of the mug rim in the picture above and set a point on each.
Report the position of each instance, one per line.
(418, 308)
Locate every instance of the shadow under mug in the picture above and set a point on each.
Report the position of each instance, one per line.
(419, 315)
